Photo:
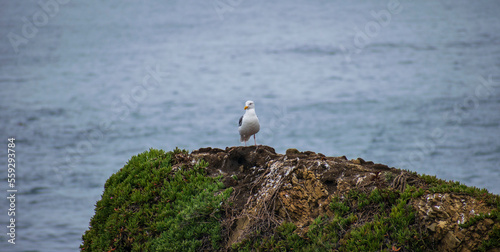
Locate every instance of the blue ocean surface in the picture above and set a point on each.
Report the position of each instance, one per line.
(85, 85)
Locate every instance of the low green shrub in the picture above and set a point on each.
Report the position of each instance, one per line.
(148, 207)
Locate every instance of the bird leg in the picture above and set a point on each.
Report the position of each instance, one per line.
(255, 140)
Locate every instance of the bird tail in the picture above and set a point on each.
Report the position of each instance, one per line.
(243, 138)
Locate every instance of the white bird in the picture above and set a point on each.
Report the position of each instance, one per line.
(249, 123)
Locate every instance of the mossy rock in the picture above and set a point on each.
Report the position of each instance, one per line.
(175, 201)
(378, 221)
(146, 206)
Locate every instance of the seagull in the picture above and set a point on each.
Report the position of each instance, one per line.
(249, 123)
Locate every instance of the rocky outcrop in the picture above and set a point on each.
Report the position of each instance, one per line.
(297, 187)
(306, 200)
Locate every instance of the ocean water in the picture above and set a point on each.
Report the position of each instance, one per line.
(85, 85)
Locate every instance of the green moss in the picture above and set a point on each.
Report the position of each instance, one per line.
(389, 177)
(441, 186)
(494, 234)
(494, 215)
(385, 230)
(339, 207)
(494, 241)
(147, 207)
(284, 239)
(362, 221)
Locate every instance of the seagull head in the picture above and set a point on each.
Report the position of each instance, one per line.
(249, 105)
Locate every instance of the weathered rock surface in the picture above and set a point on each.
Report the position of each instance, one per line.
(297, 187)
(254, 199)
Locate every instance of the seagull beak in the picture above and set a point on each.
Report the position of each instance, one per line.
(245, 107)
